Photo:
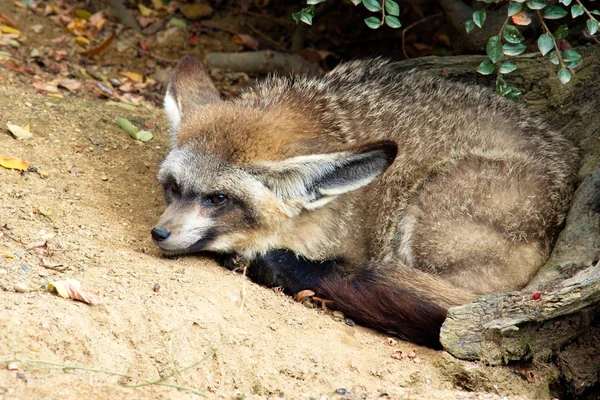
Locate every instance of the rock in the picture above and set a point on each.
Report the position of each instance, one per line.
(194, 12)
(338, 315)
(21, 287)
(12, 366)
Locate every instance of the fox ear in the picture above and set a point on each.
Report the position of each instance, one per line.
(190, 88)
(315, 180)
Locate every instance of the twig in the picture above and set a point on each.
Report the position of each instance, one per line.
(412, 26)
(556, 49)
(243, 292)
(268, 39)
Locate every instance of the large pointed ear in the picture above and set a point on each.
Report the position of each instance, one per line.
(190, 88)
(317, 179)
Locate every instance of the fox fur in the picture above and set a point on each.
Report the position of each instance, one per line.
(396, 195)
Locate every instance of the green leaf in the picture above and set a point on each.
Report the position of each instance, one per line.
(507, 67)
(486, 67)
(554, 12)
(511, 92)
(554, 58)
(392, 8)
(392, 22)
(469, 25)
(512, 35)
(564, 75)
(577, 10)
(143, 136)
(536, 4)
(500, 84)
(514, 49)
(574, 64)
(356, 2)
(565, 2)
(545, 43)
(479, 17)
(373, 22)
(494, 49)
(592, 26)
(595, 12)
(372, 5)
(571, 55)
(305, 15)
(314, 2)
(561, 32)
(514, 8)
(488, 1)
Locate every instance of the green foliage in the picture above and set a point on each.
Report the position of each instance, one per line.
(389, 11)
(508, 42)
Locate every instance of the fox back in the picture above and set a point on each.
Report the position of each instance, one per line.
(398, 195)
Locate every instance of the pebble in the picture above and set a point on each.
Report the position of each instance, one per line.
(12, 366)
(104, 177)
(3, 271)
(21, 287)
(195, 12)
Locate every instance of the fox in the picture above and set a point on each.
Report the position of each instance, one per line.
(395, 195)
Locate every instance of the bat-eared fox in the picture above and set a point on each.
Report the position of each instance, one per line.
(396, 195)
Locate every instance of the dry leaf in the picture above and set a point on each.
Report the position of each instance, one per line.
(100, 49)
(145, 11)
(53, 266)
(41, 244)
(70, 84)
(13, 66)
(521, 18)
(134, 76)
(19, 132)
(245, 40)
(303, 294)
(14, 163)
(82, 40)
(6, 20)
(8, 29)
(71, 289)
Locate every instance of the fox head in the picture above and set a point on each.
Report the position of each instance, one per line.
(248, 176)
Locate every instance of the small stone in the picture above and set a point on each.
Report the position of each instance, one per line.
(156, 287)
(35, 53)
(12, 366)
(194, 12)
(21, 287)
(3, 271)
(349, 322)
(104, 177)
(412, 354)
(391, 341)
(37, 28)
(97, 141)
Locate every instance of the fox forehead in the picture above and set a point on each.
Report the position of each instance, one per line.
(241, 135)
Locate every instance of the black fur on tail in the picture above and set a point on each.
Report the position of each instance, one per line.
(371, 301)
(369, 297)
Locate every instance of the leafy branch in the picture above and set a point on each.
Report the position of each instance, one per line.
(389, 9)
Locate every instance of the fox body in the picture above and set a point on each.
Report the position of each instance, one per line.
(395, 195)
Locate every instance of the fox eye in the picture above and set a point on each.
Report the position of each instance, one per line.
(215, 199)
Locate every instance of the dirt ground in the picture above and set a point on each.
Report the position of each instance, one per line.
(166, 328)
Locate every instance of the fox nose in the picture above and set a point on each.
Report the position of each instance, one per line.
(160, 234)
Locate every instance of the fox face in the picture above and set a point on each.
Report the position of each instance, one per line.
(247, 180)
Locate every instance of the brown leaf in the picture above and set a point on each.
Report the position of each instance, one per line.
(100, 49)
(70, 84)
(71, 289)
(303, 294)
(13, 66)
(245, 40)
(5, 19)
(521, 18)
(53, 266)
(41, 244)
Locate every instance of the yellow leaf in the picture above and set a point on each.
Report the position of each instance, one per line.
(27, 128)
(145, 11)
(19, 132)
(8, 29)
(82, 40)
(71, 289)
(134, 76)
(45, 211)
(7, 255)
(14, 163)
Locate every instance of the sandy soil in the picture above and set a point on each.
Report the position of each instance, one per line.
(205, 330)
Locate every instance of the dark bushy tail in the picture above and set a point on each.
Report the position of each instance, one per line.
(370, 300)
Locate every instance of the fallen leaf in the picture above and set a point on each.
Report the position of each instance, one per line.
(9, 29)
(144, 136)
(13, 66)
(84, 14)
(245, 40)
(145, 11)
(7, 255)
(70, 84)
(71, 289)
(303, 294)
(6, 20)
(100, 49)
(45, 211)
(53, 266)
(134, 76)
(19, 132)
(82, 40)
(14, 163)
(42, 244)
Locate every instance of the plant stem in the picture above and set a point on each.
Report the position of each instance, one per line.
(562, 63)
(382, 12)
(586, 11)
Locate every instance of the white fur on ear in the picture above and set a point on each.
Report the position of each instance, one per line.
(315, 180)
(173, 115)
